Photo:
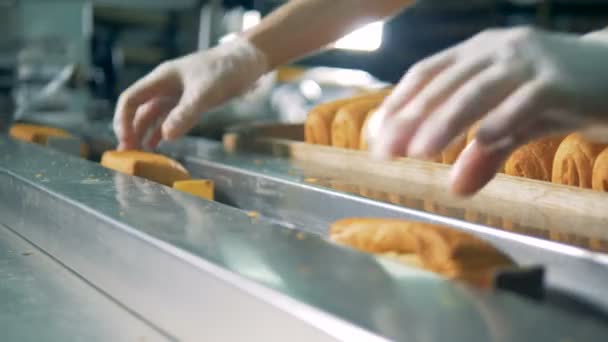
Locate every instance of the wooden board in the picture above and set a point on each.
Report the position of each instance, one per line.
(557, 212)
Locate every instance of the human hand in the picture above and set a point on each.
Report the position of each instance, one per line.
(168, 102)
(522, 83)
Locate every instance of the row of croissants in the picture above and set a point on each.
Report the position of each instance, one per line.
(570, 160)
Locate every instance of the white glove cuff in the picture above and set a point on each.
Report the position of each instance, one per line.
(245, 56)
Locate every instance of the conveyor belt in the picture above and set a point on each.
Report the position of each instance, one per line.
(275, 188)
(43, 301)
(201, 270)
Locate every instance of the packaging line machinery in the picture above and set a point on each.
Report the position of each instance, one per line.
(90, 254)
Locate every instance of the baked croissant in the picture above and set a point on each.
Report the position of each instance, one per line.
(452, 253)
(347, 125)
(574, 161)
(534, 160)
(317, 127)
(600, 172)
(374, 235)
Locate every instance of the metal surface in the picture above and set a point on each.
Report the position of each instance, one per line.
(204, 271)
(42, 301)
(275, 188)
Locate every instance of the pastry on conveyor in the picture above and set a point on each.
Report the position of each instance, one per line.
(347, 125)
(317, 127)
(600, 172)
(374, 235)
(574, 161)
(449, 252)
(40, 135)
(152, 166)
(203, 188)
(35, 133)
(534, 160)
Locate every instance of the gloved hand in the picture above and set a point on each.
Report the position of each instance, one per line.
(522, 83)
(169, 101)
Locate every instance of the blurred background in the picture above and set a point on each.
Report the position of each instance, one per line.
(74, 57)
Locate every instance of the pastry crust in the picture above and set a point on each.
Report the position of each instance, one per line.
(152, 166)
(363, 143)
(35, 133)
(534, 160)
(347, 125)
(574, 161)
(317, 127)
(452, 253)
(203, 188)
(374, 235)
(38, 134)
(600, 172)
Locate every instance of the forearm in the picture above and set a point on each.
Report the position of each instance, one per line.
(301, 27)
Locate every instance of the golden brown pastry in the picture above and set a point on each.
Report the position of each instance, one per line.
(443, 249)
(574, 161)
(374, 235)
(407, 259)
(363, 145)
(35, 133)
(38, 134)
(203, 188)
(346, 127)
(317, 128)
(152, 166)
(452, 253)
(534, 160)
(600, 172)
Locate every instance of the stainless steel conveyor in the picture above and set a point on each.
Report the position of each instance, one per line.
(199, 270)
(44, 301)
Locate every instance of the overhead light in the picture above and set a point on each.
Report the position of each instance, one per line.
(249, 20)
(367, 38)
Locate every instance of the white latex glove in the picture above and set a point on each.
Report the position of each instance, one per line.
(523, 83)
(169, 101)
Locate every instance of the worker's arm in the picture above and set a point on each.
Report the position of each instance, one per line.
(170, 100)
(312, 24)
